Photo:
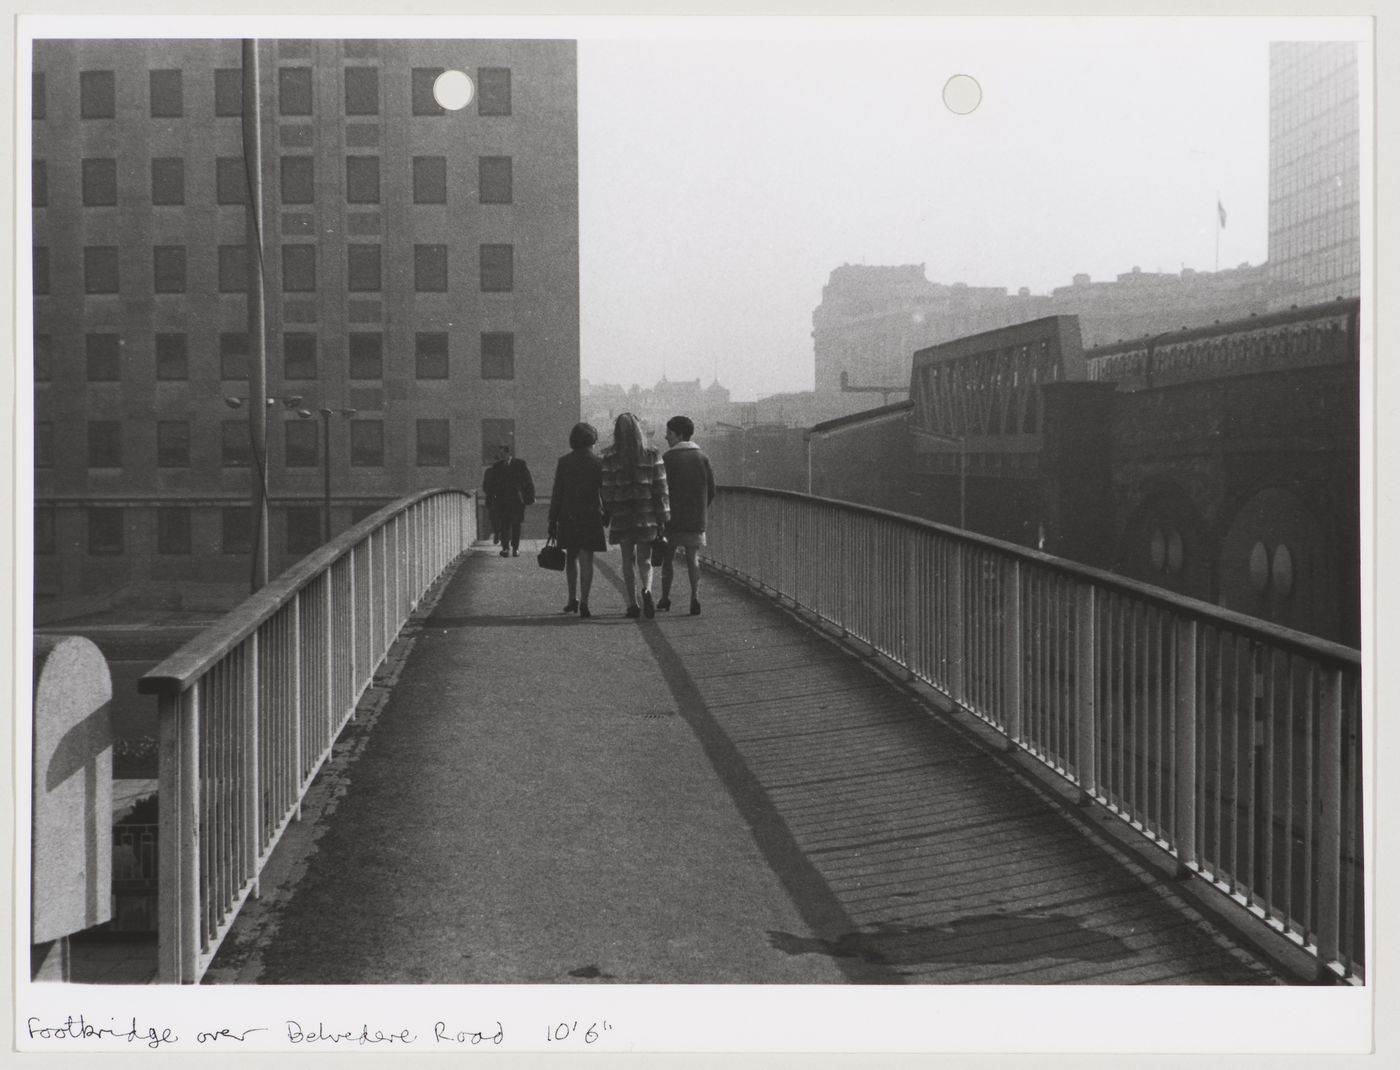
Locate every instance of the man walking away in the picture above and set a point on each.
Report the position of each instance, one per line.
(692, 486)
(509, 489)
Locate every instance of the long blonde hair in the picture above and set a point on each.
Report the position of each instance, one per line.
(629, 441)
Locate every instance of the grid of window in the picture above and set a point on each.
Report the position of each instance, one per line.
(298, 355)
(498, 355)
(430, 268)
(173, 530)
(230, 181)
(169, 263)
(430, 355)
(43, 530)
(167, 95)
(430, 180)
(233, 355)
(99, 183)
(362, 179)
(361, 91)
(103, 353)
(172, 443)
(433, 444)
(235, 449)
(236, 536)
(41, 270)
(228, 92)
(105, 531)
(294, 91)
(366, 355)
(100, 273)
(168, 180)
(367, 443)
(43, 443)
(104, 444)
(363, 262)
(493, 91)
(495, 433)
(43, 358)
(497, 268)
(424, 103)
(301, 444)
(39, 184)
(97, 93)
(298, 179)
(298, 268)
(233, 269)
(172, 356)
(494, 179)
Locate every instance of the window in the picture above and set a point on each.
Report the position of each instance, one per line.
(430, 355)
(237, 534)
(233, 269)
(228, 92)
(173, 530)
(303, 528)
(430, 180)
(494, 179)
(301, 444)
(104, 444)
(494, 434)
(298, 268)
(99, 183)
(493, 91)
(430, 268)
(43, 443)
(497, 268)
(167, 95)
(43, 530)
(237, 451)
(424, 103)
(298, 179)
(41, 269)
(298, 355)
(103, 352)
(233, 355)
(97, 92)
(105, 535)
(43, 358)
(168, 180)
(367, 443)
(172, 356)
(169, 269)
(498, 355)
(38, 104)
(361, 90)
(363, 262)
(100, 275)
(39, 184)
(366, 355)
(433, 445)
(231, 182)
(294, 90)
(172, 444)
(362, 179)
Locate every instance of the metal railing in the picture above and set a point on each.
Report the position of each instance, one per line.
(250, 708)
(1232, 743)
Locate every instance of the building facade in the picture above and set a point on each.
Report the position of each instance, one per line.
(1314, 172)
(420, 268)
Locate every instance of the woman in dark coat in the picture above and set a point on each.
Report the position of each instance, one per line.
(634, 495)
(576, 514)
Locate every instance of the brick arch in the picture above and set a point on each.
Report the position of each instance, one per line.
(1165, 542)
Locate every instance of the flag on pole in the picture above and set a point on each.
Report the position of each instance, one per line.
(1220, 209)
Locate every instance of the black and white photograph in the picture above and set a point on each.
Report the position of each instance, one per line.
(528, 527)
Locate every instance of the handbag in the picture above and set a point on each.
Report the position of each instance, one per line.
(552, 556)
(658, 550)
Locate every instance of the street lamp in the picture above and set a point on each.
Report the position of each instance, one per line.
(260, 494)
(961, 443)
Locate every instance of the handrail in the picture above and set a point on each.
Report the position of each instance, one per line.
(251, 707)
(1230, 742)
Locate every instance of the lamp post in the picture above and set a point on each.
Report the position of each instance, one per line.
(257, 434)
(961, 443)
(326, 415)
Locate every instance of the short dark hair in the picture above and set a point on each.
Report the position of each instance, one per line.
(681, 425)
(582, 436)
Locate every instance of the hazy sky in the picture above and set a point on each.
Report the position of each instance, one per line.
(722, 181)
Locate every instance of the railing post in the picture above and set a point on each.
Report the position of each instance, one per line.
(330, 654)
(1328, 820)
(251, 801)
(1013, 668)
(1086, 690)
(911, 599)
(299, 767)
(178, 925)
(957, 626)
(1186, 721)
(353, 628)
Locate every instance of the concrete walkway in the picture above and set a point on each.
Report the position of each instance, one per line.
(729, 798)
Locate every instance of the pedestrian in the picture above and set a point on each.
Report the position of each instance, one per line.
(509, 489)
(634, 496)
(576, 515)
(691, 483)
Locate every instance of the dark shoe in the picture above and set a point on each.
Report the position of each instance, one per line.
(695, 607)
(572, 607)
(633, 612)
(505, 553)
(583, 610)
(664, 604)
(647, 607)
(515, 551)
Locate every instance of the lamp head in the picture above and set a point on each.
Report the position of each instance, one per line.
(234, 403)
